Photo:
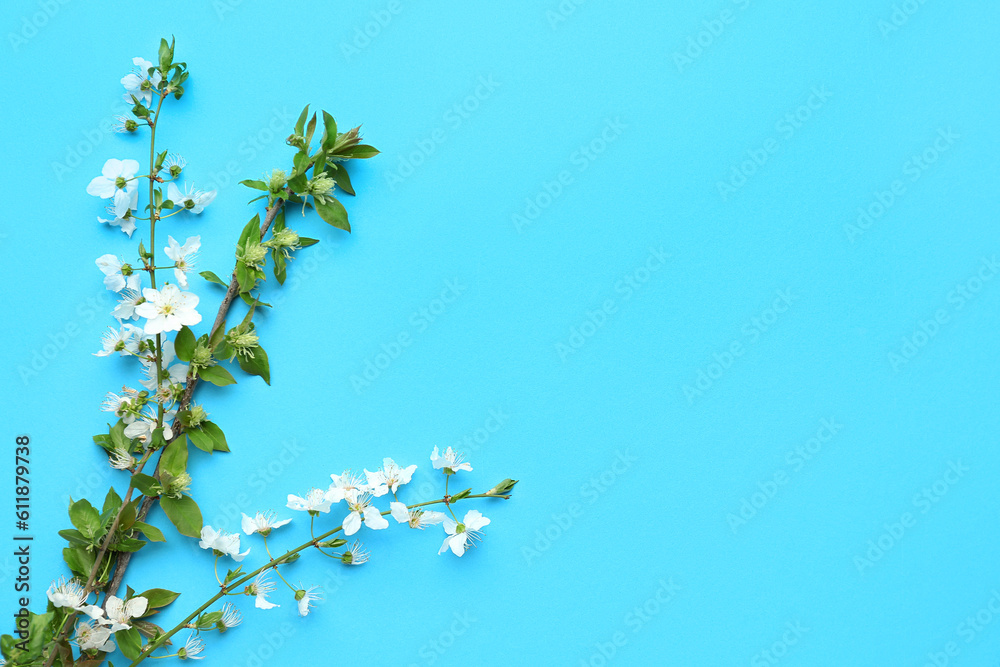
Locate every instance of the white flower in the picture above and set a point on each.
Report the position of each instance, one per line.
(315, 501)
(125, 221)
(347, 485)
(125, 310)
(192, 647)
(90, 636)
(416, 518)
(305, 599)
(117, 182)
(261, 587)
(360, 506)
(173, 374)
(121, 404)
(126, 123)
(120, 612)
(222, 543)
(451, 461)
(174, 164)
(355, 554)
(139, 83)
(114, 279)
(120, 459)
(231, 616)
(70, 594)
(388, 478)
(192, 199)
(145, 424)
(168, 309)
(465, 534)
(176, 374)
(262, 523)
(183, 256)
(124, 341)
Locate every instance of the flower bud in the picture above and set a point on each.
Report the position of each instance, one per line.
(175, 170)
(176, 487)
(242, 339)
(296, 140)
(502, 488)
(202, 356)
(252, 255)
(196, 416)
(276, 180)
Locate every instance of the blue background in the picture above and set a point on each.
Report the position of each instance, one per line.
(631, 484)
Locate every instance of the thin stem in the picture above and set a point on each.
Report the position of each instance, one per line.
(91, 580)
(190, 385)
(155, 644)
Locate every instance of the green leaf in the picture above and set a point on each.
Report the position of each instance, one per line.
(144, 483)
(305, 242)
(152, 533)
(330, 131)
(256, 185)
(343, 179)
(310, 129)
(218, 437)
(174, 458)
(159, 597)
(129, 642)
(200, 439)
(111, 501)
(256, 365)
(362, 152)
(250, 231)
(85, 518)
(184, 344)
(217, 335)
(212, 278)
(334, 213)
(253, 301)
(127, 544)
(75, 537)
(79, 560)
(245, 277)
(301, 122)
(217, 375)
(183, 512)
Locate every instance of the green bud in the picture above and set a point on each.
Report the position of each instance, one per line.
(347, 558)
(252, 255)
(178, 485)
(131, 125)
(276, 180)
(299, 594)
(320, 185)
(296, 140)
(197, 416)
(503, 488)
(175, 170)
(202, 357)
(242, 339)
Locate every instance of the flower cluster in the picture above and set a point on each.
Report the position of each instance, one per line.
(157, 426)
